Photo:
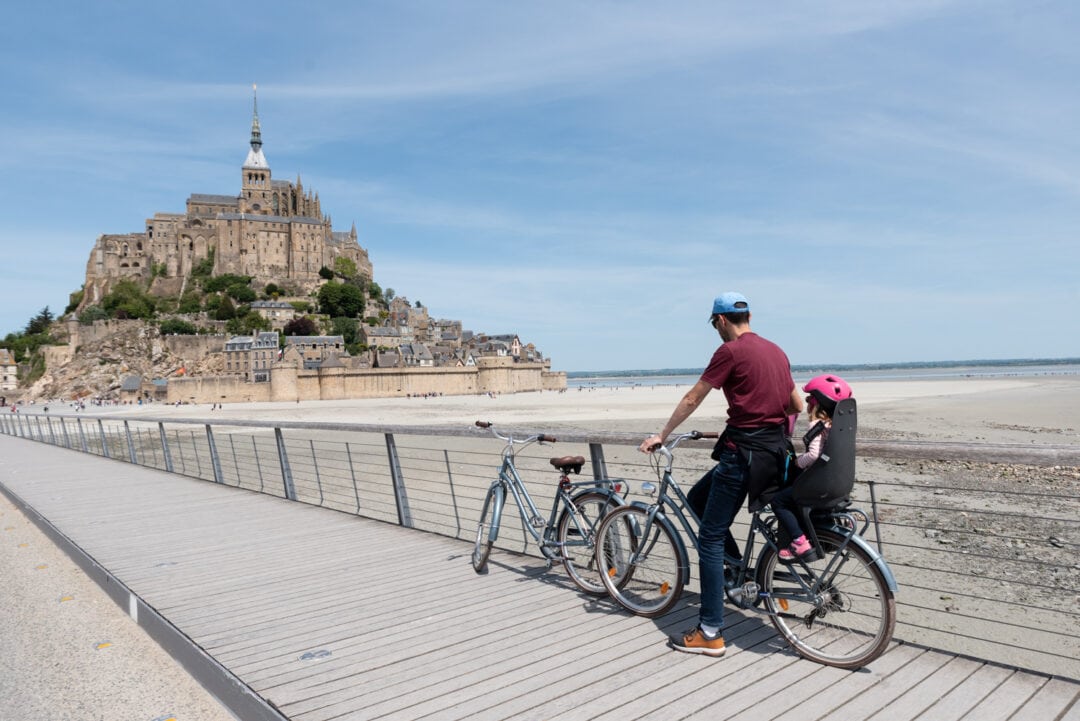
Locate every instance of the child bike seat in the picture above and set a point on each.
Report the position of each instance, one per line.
(827, 483)
(569, 464)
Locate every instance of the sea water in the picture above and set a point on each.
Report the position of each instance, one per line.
(874, 371)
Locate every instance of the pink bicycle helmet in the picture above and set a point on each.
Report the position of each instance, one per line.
(827, 390)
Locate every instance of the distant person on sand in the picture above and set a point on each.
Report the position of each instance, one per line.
(755, 376)
(824, 393)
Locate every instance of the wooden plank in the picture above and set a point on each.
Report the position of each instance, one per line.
(1053, 700)
(926, 693)
(965, 696)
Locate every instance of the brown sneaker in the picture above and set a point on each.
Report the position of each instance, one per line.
(695, 641)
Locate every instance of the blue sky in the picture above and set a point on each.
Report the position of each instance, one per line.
(885, 181)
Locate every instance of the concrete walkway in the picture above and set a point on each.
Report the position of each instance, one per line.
(67, 651)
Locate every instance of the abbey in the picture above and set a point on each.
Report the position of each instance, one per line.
(273, 231)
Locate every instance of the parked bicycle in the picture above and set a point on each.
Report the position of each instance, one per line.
(839, 609)
(570, 530)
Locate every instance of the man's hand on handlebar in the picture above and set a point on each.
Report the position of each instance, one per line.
(651, 443)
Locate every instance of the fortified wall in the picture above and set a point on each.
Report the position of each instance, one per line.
(490, 375)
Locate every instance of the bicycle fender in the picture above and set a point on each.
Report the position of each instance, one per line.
(619, 500)
(499, 499)
(680, 544)
(859, 541)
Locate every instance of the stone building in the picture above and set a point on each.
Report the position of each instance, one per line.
(278, 312)
(251, 357)
(9, 371)
(314, 349)
(273, 230)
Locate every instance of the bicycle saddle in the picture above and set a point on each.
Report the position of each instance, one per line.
(568, 464)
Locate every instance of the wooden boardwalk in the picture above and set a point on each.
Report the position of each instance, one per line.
(290, 611)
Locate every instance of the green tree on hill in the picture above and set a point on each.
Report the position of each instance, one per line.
(40, 322)
(128, 300)
(301, 326)
(341, 299)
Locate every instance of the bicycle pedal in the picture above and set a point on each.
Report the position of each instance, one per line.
(537, 522)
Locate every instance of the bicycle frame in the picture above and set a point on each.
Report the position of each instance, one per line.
(531, 520)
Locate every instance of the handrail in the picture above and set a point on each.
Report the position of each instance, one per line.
(1029, 454)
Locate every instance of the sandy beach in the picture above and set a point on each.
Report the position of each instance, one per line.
(1036, 409)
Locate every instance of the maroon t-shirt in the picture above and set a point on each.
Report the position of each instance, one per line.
(755, 376)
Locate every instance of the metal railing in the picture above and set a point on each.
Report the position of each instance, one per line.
(986, 567)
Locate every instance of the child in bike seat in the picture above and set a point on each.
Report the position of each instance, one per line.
(824, 393)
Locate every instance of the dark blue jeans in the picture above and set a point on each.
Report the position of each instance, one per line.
(717, 498)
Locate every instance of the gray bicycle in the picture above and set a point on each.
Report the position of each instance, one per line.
(570, 530)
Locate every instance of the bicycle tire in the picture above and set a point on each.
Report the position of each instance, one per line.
(851, 623)
(579, 557)
(485, 531)
(653, 585)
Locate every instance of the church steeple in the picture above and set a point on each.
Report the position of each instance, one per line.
(255, 157)
(256, 133)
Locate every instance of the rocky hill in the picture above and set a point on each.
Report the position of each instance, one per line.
(97, 368)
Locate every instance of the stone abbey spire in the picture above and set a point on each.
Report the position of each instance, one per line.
(255, 157)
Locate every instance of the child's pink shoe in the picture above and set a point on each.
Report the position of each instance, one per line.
(800, 548)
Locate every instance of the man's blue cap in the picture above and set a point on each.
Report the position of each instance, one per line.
(726, 303)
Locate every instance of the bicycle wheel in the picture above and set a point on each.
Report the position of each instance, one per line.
(577, 533)
(651, 586)
(486, 532)
(848, 622)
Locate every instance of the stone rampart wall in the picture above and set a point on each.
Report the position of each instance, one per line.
(194, 347)
(290, 384)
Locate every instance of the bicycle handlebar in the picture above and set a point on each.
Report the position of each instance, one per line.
(540, 437)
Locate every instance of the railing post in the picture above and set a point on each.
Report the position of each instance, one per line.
(104, 444)
(453, 496)
(22, 429)
(352, 471)
(130, 444)
(286, 472)
(82, 436)
(599, 466)
(400, 496)
(315, 463)
(180, 448)
(215, 462)
(258, 465)
(165, 447)
(198, 456)
(873, 510)
(52, 433)
(67, 438)
(235, 463)
(40, 433)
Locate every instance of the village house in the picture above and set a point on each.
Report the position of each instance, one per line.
(277, 312)
(9, 371)
(314, 349)
(251, 357)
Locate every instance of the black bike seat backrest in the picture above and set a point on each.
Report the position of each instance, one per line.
(569, 464)
(829, 480)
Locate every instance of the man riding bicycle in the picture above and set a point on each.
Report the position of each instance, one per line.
(755, 376)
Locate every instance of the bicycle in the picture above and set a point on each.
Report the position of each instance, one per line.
(571, 527)
(836, 606)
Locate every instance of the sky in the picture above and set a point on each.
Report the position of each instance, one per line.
(885, 181)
